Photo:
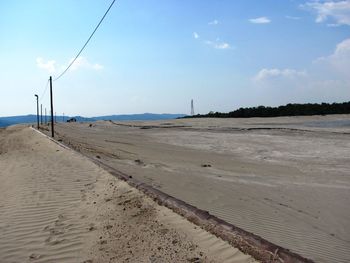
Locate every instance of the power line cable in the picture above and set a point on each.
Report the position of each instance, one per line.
(41, 98)
(81, 50)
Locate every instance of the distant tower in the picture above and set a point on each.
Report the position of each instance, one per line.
(192, 108)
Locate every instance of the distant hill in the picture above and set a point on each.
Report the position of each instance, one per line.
(6, 121)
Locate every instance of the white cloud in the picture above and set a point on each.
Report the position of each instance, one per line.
(218, 44)
(195, 35)
(333, 25)
(82, 62)
(275, 85)
(338, 11)
(267, 74)
(333, 66)
(326, 79)
(343, 47)
(98, 66)
(260, 20)
(339, 61)
(49, 65)
(213, 23)
(293, 17)
(222, 45)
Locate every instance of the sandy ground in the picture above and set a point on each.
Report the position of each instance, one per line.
(57, 206)
(285, 179)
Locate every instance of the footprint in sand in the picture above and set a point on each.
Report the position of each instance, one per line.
(52, 241)
(92, 227)
(34, 256)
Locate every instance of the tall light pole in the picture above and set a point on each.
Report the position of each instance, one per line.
(37, 109)
(41, 114)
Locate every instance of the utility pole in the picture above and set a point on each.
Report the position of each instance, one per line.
(52, 124)
(45, 117)
(37, 109)
(41, 114)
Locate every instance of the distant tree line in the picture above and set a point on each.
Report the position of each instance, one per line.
(285, 110)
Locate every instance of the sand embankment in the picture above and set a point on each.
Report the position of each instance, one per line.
(285, 179)
(57, 206)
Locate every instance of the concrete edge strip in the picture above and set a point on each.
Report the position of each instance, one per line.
(249, 243)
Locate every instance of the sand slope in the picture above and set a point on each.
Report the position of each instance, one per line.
(56, 206)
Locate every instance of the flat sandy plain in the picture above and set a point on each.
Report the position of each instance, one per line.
(58, 206)
(286, 179)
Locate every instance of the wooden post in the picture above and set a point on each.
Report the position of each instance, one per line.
(37, 110)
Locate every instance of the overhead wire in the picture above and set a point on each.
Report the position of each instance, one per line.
(81, 50)
(41, 98)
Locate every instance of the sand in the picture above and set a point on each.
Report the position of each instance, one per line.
(285, 179)
(57, 206)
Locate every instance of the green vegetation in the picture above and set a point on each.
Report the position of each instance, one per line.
(286, 110)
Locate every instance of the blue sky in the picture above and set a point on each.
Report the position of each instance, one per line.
(155, 56)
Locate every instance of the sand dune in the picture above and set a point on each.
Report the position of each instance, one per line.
(285, 179)
(57, 206)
